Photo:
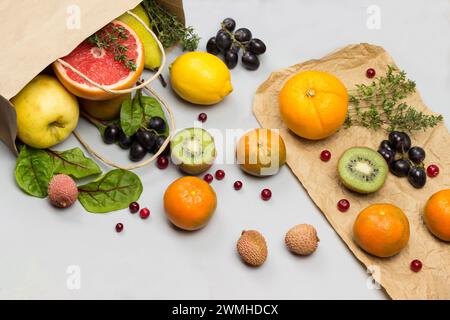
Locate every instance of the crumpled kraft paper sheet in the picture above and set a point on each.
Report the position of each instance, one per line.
(321, 180)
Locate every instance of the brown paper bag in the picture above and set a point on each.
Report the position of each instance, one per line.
(322, 183)
(39, 32)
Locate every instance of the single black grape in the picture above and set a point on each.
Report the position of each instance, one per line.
(243, 35)
(229, 24)
(111, 134)
(256, 46)
(400, 167)
(416, 154)
(400, 141)
(231, 59)
(220, 32)
(235, 48)
(223, 41)
(159, 142)
(250, 61)
(385, 144)
(388, 155)
(124, 141)
(158, 124)
(417, 177)
(211, 46)
(146, 139)
(137, 152)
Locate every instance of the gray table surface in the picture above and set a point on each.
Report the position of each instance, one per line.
(43, 249)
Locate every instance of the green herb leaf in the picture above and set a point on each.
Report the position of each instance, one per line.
(113, 191)
(131, 115)
(379, 105)
(74, 163)
(113, 38)
(152, 108)
(169, 29)
(34, 169)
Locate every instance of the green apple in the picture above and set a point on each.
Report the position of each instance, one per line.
(46, 112)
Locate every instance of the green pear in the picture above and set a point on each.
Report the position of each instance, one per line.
(46, 112)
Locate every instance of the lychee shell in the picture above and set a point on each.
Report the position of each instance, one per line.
(252, 248)
(302, 239)
(62, 191)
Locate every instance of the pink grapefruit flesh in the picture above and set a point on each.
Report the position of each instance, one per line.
(101, 64)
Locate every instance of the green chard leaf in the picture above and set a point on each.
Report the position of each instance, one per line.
(131, 115)
(152, 108)
(112, 191)
(74, 163)
(34, 169)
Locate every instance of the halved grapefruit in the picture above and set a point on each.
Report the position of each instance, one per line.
(112, 57)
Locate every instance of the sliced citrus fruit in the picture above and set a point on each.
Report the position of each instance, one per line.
(112, 57)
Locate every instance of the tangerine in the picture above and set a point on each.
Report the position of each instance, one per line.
(189, 203)
(437, 214)
(381, 230)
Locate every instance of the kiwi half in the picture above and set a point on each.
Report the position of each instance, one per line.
(193, 150)
(362, 169)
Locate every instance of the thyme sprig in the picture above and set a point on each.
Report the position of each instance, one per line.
(169, 30)
(112, 39)
(380, 105)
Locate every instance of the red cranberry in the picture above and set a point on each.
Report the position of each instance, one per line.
(220, 174)
(144, 213)
(432, 170)
(208, 178)
(162, 162)
(119, 227)
(325, 155)
(266, 194)
(202, 117)
(370, 73)
(134, 207)
(416, 265)
(238, 185)
(343, 205)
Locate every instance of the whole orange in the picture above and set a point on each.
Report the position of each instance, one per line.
(189, 203)
(313, 104)
(381, 230)
(437, 214)
(261, 152)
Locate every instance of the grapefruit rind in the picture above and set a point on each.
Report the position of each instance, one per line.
(90, 92)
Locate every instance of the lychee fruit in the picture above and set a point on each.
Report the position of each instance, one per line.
(62, 191)
(302, 239)
(252, 248)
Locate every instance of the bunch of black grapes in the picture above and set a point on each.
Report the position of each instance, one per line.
(404, 160)
(229, 42)
(146, 140)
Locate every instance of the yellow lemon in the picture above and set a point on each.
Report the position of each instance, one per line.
(200, 78)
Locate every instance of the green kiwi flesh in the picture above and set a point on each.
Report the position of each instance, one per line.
(362, 169)
(193, 150)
